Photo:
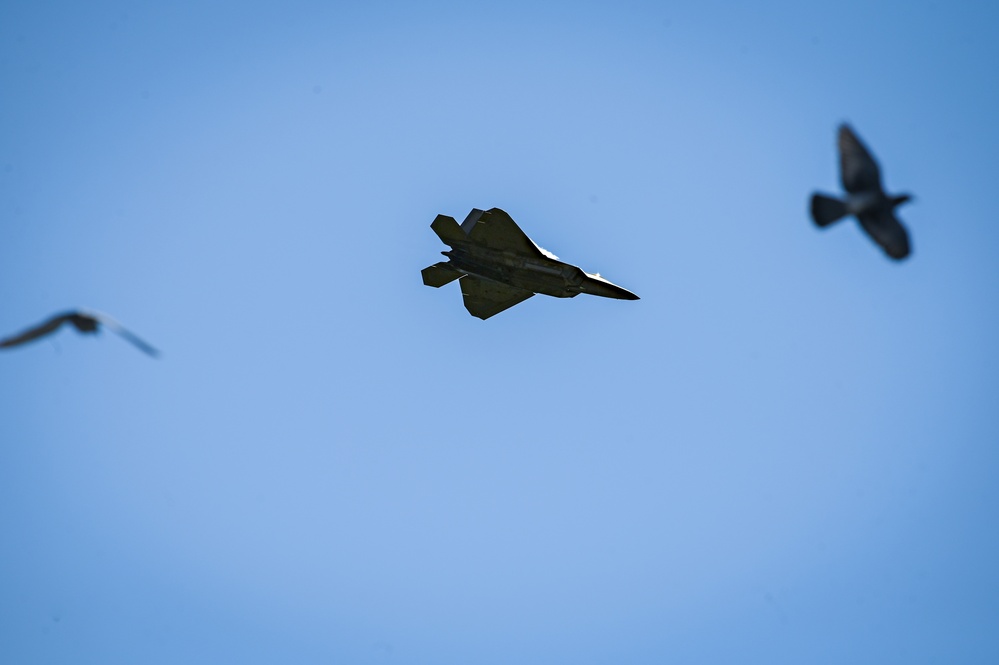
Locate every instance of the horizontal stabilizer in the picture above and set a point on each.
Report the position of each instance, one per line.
(826, 209)
(439, 274)
(447, 230)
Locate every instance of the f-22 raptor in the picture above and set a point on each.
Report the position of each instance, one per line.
(499, 266)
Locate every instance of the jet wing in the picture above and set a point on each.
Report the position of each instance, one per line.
(496, 230)
(485, 298)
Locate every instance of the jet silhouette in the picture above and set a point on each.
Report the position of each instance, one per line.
(84, 322)
(866, 199)
(499, 266)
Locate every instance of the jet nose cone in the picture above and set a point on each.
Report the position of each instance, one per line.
(598, 286)
(623, 294)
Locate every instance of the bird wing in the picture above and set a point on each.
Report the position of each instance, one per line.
(859, 171)
(121, 330)
(42, 329)
(885, 229)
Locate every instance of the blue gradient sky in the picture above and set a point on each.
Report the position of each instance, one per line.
(786, 452)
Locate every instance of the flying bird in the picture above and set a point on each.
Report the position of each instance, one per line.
(866, 199)
(84, 322)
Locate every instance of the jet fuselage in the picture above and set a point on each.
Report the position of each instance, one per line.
(540, 275)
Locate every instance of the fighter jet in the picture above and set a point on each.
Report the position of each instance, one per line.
(84, 322)
(866, 199)
(499, 266)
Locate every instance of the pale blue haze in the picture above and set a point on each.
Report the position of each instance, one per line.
(786, 452)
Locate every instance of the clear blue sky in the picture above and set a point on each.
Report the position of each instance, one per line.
(786, 452)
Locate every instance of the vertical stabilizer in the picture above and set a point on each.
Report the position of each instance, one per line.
(470, 221)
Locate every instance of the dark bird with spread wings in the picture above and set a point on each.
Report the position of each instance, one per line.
(84, 322)
(866, 199)
(499, 266)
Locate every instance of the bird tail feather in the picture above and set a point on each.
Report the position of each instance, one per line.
(826, 209)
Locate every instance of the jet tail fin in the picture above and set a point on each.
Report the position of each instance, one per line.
(826, 209)
(471, 220)
(447, 230)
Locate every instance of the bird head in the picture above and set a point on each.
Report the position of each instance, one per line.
(85, 323)
(899, 200)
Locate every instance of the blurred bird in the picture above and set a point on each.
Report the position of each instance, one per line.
(85, 322)
(865, 198)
